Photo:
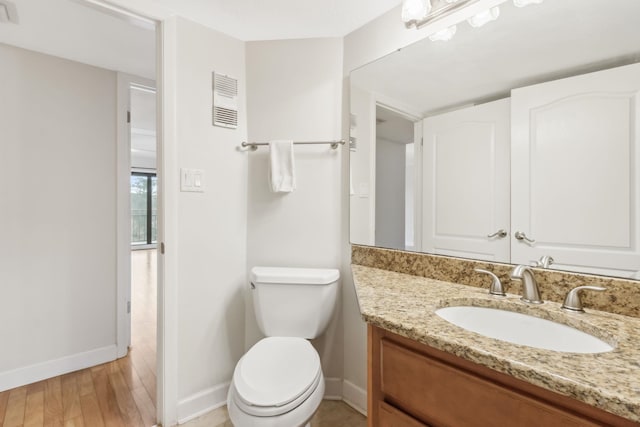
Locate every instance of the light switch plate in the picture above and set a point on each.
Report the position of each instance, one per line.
(192, 180)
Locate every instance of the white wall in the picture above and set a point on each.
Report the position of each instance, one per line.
(362, 175)
(294, 92)
(57, 216)
(206, 236)
(390, 193)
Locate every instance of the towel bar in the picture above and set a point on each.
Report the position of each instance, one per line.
(253, 146)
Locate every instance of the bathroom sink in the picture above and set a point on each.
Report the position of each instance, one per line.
(523, 329)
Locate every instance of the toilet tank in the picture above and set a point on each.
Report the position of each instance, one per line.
(293, 302)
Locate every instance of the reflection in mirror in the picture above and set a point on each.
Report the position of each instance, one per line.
(394, 175)
(508, 143)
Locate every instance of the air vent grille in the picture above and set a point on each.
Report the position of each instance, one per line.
(225, 101)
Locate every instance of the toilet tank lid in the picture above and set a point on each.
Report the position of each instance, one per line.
(288, 275)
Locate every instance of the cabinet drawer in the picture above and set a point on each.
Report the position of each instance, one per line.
(444, 395)
(392, 417)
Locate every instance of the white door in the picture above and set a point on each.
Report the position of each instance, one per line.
(466, 182)
(574, 176)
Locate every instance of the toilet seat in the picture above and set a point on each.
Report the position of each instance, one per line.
(276, 375)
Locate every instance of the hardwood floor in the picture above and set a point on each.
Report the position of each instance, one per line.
(121, 393)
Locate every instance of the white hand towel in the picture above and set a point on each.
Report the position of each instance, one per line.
(282, 170)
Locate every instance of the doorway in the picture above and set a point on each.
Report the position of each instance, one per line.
(395, 179)
(143, 185)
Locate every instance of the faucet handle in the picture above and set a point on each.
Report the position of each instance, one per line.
(544, 262)
(496, 287)
(572, 301)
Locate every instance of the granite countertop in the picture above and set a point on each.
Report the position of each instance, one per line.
(406, 304)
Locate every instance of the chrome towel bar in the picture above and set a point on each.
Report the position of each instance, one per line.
(253, 146)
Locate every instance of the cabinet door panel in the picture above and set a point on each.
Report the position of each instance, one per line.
(574, 179)
(392, 417)
(442, 395)
(466, 182)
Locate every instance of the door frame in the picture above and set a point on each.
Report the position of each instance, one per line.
(148, 15)
(123, 183)
(416, 118)
(165, 401)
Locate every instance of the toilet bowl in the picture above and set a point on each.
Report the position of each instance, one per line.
(279, 381)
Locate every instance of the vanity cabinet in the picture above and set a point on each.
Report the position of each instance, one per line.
(413, 385)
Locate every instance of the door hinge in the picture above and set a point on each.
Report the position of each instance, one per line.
(128, 307)
(128, 116)
(421, 142)
(162, 248)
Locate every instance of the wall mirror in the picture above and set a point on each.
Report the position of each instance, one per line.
(507, 143)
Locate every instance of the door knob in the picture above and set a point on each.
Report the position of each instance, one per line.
(502, 233)
(519, 235)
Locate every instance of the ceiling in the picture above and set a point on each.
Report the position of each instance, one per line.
(281, 19)
(524, 46)
(72, 30)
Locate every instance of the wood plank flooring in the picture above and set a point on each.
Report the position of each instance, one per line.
(121, 393)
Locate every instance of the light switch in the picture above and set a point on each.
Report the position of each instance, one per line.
(191, 180)
(198, 180)
(363, 189)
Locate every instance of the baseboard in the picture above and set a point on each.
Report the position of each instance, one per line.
(53, 368)
(202, 402)
(333, 388)
(215, 397)
(355, 397)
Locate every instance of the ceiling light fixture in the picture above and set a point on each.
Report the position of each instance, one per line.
(444, 35)
(523, 3)
(484, 17)
(419, 13)
(415, 10)
(431, 11)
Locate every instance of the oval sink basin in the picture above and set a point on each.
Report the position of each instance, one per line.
(523, 329)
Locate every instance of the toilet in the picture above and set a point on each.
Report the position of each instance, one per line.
(279, 381)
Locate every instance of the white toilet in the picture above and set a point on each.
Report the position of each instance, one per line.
(279, 381)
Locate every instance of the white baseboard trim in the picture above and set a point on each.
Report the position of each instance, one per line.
(202, 402)
(355, 397)
(333, 388)
(215, 397)
(53, 368)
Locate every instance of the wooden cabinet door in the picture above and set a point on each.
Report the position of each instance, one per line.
(466, 182)
(393, 417)
(574, 175)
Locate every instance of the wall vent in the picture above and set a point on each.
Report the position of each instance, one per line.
(225, 101)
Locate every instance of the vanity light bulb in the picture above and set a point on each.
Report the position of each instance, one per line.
(484, 17)
(444, 34)
(523, 3)
(415, 10)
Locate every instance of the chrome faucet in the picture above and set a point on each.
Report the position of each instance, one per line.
(544, 262)
(496, 287)
(530, 291)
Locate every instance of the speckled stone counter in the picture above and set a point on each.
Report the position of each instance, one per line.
(405, 304)
(622, 295)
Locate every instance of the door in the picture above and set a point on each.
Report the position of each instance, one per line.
(466, 182)
(570, 203)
